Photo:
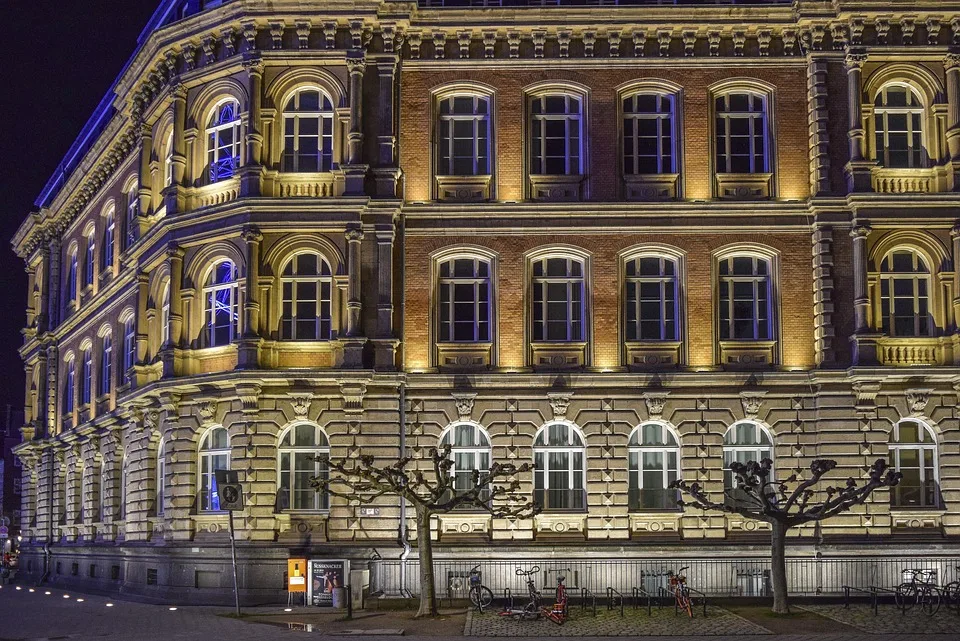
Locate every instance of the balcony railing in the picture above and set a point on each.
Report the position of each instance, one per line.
(591, 3)
(653, 500)
(916, 496)
(561, 500)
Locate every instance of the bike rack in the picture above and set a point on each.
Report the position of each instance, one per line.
(612, 594)
(676, 608)
(508, 597)
(703, 597)
(637, 593)
(584, 593)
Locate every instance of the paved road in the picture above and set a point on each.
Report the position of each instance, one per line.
(37, 616)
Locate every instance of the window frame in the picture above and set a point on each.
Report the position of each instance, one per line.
(532, 153)
(211, 307)
(673, 116)
(635, 474)
(133, 215)
(759, 430)
(70, 386)
(90, 258)
(766, 123)
(477, 282)
(881, 113)
(72, 283)
(886, 280)
(326, 161)
(206, 473)
(216, 151)
(570, 302)
(663, 255)
(129, 346)
(730, 279)
(319, 280)
(542, 472)
(476, 117)
(320, 447)
(105, 384)
(160, 489)
(109, 238)
(482, 447)
(896, 448)
(86, 376)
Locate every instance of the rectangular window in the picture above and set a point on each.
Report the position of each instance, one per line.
(741, 139)
(648, 137)
(556, 135)
(558, 300)
(651, 299)
(463, 148)
(129, 349)
(744, 300)
(464, 300)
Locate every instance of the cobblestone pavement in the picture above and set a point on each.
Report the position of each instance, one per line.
(609, 623)
(889, 619)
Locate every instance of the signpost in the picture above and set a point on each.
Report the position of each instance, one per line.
(231, 500)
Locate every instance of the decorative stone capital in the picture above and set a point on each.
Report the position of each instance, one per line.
(253, 63)
(655, 402)
(560, 402)
(951, 61)
(917, 399)
(860, 231)
(170, 402)
(353, 393)
(866, 392)
(354, 235)
(854, 61)
(464, 405)
(251, 235)
(207, 410)
(356, 65)
(249, 395)
(301, 403)
(955, 232)
(752, 402)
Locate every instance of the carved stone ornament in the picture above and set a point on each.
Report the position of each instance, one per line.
(301, 405)
(464, 405)
(656, 402)
(353, 393)
(249, 395)
(917, 400)
(559, 402)
(866, 392)
(207, 411)
(752, 401)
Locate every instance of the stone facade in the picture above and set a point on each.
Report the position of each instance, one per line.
(163, 296)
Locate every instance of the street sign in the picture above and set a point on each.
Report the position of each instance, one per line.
(4, 532)
(229, 490)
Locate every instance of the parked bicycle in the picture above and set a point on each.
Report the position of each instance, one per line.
(951, 593)
(918, 588)
(558, 613)
(532, 610)
(678, 582)
(480, 595)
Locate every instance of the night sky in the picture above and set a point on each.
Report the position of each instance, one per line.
(59, 58)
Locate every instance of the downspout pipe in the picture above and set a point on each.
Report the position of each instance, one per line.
(402, 533)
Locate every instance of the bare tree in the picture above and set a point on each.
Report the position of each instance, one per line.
(431, 493)
(756, 495)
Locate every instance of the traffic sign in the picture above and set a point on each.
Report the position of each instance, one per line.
(4, 532)
(229, 490)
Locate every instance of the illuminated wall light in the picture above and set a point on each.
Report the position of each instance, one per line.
(19, 588)
(109, 605)
(79, 600)
(66, 596)
(31, 590)
(48, 593)
(288, 609)
(172, 609)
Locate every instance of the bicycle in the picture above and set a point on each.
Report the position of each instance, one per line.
(533, 609)
(951, 593)
(918, 588)
(480, 595)
(558, 613)
(681, 592)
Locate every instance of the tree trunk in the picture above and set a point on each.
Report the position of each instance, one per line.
(778, 566)
(428, 588)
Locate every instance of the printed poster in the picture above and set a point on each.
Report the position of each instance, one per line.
(325, 576)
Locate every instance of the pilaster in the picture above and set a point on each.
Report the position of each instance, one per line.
(249, 345)
(858, 169)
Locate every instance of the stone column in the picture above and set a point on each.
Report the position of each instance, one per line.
(355, 171)
(952, 66)
(51, 395)
(858, 169)
(143, 297)
(29, 497)
(250, 340)
(173, 195)
(168, 352)
(43, 313)
(385, 343)
(387, 174)
(145, 179)
(180, 436)
(40, 418)
(864, 339)
(251, 173)
(818, 117)
(354, 341)
(53, 284)
(955, 237)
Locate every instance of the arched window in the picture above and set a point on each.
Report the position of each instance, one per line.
(308, 132)
(129, 347)
(69, 388)
(744, 442)
(558, 299)
(165, 314)
(122, 494)
(72, 277)
(214, 455)
(109, 238)
(898, 121)
(304, 452)
(905, 294)
(133, 215)
(559, 478)
(913, 453)
(464, 300)
(168, 161)
(86, 376)
(741, 133)
(649, 137)
(101, 495)
(307, 299)
(652, 301)
(223, 141)
(556, 141)
(106, 364)
(160, 481)
(745, 299)
(654, 463)
(221, 294)
(463, 148)
(90, 264)
(470, 450)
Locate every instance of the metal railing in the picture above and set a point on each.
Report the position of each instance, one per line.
(561, 500)
(714, 577)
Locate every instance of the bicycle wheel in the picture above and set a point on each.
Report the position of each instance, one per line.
(905, 596)
(951, 595)
(688, 602)
(481, 596)
(929, 601)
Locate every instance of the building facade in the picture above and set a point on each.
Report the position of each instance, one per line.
(627, 243)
